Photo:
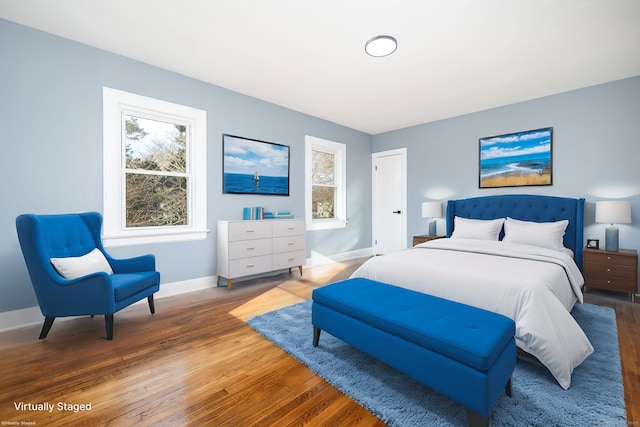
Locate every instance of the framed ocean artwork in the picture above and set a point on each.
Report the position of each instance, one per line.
(516, 159)
(251, 166)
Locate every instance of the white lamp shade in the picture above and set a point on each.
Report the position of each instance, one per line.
(613, 212)
(431, 209)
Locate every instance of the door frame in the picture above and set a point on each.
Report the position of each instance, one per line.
(374, 157)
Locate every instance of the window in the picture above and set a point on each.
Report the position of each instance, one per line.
(154, 170)
(325, 189)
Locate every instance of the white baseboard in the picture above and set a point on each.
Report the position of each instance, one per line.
(319, 259)
(31, 315)
(18, 318)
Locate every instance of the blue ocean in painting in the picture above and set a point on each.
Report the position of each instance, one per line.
(525, 164)
(245, 183)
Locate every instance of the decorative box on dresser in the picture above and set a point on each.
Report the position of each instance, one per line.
(245, 248)
(612, 271)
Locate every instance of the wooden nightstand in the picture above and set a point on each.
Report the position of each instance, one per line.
(613, 271)
(424, 238)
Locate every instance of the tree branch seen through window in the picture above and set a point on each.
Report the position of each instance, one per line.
(155, 173)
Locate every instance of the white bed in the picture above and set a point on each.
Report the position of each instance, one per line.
(535, 286)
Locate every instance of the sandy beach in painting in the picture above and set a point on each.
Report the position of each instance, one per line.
(515, 171)
(515, 178)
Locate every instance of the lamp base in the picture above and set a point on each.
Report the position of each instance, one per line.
(611, 239)
(432, 228)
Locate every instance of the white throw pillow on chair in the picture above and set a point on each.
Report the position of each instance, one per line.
(74, 267)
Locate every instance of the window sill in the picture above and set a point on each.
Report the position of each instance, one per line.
(326, 225)
(130, 240)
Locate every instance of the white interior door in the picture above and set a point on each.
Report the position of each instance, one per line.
(389, 180)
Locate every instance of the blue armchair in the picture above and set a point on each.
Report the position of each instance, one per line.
(43, 237)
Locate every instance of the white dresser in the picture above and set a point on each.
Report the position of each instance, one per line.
(253, 247)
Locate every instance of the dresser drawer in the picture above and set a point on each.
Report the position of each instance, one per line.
(289, 259)
(288, 244)
(288, 228)
(249, 248)
(247, 266)
(247, 230)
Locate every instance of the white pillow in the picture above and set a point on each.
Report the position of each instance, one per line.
(74, 267)
(544, 234)
(480, 229)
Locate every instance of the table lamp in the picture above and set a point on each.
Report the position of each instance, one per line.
(613, 212)
(431, 210)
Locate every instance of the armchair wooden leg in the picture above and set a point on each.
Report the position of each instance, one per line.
(48, 321)
(152, 305)
(108, 323)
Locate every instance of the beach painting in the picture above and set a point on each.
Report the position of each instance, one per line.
(516, 159)
(251, 166)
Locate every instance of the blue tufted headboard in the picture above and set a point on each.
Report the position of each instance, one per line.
(525, 207)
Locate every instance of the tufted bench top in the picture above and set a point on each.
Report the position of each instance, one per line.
(470, 335)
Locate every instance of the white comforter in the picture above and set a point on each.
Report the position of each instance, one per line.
(536, 287)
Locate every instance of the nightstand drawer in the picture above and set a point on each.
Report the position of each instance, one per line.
(611, 283)
(609, 270)
(610, 258)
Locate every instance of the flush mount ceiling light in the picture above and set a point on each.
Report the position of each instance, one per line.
(381, 46)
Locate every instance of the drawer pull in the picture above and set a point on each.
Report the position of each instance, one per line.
(608, 257)
(291, 228)
(608, 270)
(251, 249)
(608, 282)
(251, 231)
(291, 259)
(250, 266)
(291, 244)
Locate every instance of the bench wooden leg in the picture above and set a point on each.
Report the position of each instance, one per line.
(476, 420)
(316, 335)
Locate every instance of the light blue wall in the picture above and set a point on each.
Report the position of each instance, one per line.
(51, 161)
(51, 135)
(596, 152)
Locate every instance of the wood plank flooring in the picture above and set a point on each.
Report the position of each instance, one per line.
(196, 362)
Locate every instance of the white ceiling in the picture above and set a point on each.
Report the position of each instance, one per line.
(454, 56)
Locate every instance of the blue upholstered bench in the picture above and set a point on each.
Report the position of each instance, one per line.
(466, 353)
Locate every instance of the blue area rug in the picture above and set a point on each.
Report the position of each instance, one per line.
(595, 398)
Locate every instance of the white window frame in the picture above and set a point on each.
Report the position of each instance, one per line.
(116, 104)
(339, 151)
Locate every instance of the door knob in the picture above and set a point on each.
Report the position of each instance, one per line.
(397, 212)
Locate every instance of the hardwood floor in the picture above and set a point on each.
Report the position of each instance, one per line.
(196, 362)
